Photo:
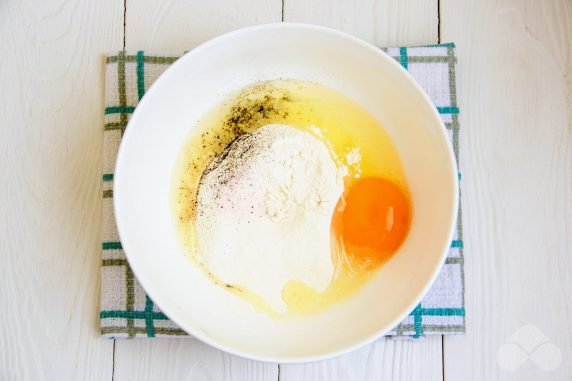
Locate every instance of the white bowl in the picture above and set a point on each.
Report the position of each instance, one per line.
(161, 124)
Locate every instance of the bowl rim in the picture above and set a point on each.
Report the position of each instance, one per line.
(135, 266)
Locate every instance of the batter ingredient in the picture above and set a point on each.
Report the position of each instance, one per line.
(374, 220)
(270, 195)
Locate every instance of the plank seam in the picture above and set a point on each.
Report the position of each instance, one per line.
(113, 363)
(438, 21)
(443, 357)
(124, 22)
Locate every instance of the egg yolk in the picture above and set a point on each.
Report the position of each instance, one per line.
(375, 219)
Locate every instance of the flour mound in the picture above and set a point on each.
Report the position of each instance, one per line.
(264, 211)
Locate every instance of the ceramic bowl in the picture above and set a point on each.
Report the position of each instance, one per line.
(164, 119)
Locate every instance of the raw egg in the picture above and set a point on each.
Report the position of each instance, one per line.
(374, 220)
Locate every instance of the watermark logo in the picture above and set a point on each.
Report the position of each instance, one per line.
(529, 343)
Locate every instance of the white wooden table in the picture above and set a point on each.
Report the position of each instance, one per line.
(515, 95)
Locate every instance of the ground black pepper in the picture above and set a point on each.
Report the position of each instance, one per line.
(253, 107)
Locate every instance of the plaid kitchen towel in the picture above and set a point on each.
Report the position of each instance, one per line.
(126, 311)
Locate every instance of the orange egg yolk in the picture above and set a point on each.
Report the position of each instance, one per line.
(375, 220)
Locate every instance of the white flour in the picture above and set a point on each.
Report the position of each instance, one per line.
(264, 212)
(353, 159)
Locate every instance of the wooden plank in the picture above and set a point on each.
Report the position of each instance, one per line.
(51, 71)
(177, 26)
(184, 359)
(386, 359)
(515, 93)
(383, 23)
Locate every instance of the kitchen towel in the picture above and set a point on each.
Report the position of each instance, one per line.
(125, 309)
